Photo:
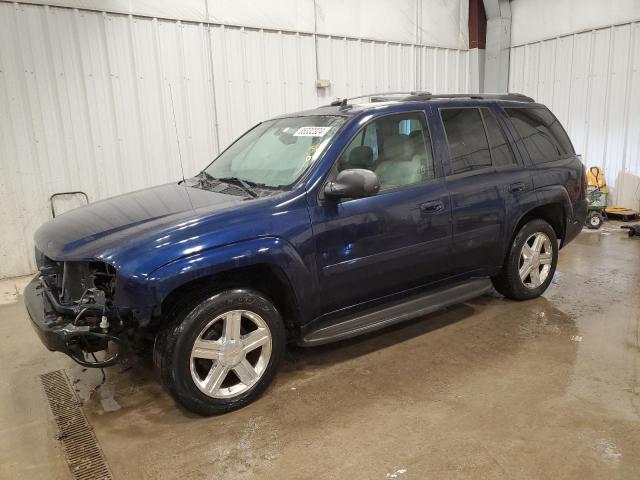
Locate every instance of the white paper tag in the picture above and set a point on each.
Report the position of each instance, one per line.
(311, 131)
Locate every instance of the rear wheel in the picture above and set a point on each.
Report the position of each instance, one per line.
(530, 263)
(220, 352)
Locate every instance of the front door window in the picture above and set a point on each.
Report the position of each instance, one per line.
(396, 147)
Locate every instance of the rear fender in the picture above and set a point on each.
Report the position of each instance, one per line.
(556, 194)
(551, 195)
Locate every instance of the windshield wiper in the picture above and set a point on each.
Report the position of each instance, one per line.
(247, 185)
(238, 182)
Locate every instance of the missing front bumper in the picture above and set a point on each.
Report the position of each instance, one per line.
(44, 319)
(59, 334)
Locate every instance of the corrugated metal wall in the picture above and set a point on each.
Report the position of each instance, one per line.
(88, 99)
(591, 81)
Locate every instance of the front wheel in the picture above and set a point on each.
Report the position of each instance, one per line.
(220, 352)
(530, 263)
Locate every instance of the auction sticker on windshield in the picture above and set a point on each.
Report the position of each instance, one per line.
(311, 131)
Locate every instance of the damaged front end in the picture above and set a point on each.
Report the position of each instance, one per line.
(71, 306)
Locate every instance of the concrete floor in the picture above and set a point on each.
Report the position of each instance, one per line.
(548, 388)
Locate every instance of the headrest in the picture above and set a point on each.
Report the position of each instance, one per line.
(398, 147)
(361, 157)
(418, 140)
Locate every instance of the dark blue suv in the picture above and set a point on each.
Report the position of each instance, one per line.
(310, 228)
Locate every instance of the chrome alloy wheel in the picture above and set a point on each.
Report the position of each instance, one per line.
(230, 354)
(535, 260)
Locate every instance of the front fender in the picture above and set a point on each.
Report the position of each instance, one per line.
(154, 288)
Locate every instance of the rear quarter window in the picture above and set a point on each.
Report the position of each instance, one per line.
(467, 139)
(541, 133)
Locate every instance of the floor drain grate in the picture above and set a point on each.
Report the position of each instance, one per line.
(84, 456)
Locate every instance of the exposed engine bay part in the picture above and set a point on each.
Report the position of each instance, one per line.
(83, 343)
(84, 339)
(71, 280)
(80, 313)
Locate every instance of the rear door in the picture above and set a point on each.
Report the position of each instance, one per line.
(484, 179)
(555, 168)
(510, 173)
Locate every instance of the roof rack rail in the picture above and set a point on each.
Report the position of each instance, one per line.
(483, 96)
(418, 96)
(376, 97)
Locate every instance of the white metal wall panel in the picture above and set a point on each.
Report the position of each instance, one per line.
(438, 20)
(259, 74)
(535, 20)
(629, 176)
(438, 23)
(578, 90)
(441, 23)
(191, 10)
(394, 21)
(445, 71)
(86, 105)
(591, 82)
(292, 15)
(562, 78)
(361, 66)
(110, 102)
(615, 106)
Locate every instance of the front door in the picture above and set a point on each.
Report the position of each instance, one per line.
(398, 239)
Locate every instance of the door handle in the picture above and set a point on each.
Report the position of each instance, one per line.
(517, 187)
(432, 207)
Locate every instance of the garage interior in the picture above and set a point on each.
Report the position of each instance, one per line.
(107, 97)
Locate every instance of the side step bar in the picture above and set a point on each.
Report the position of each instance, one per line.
(415, 306)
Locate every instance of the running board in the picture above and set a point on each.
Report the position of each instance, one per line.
(399, 311)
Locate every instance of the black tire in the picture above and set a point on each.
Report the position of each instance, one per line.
(172, 349)
(508, 282)
(594, 221)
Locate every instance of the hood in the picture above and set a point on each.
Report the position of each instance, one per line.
(99, 229)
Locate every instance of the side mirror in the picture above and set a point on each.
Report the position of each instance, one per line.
(353, 183)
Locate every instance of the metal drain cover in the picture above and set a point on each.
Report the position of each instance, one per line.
(84, 456)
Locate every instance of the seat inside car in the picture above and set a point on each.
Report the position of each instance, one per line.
(423, 152)
(400, 166)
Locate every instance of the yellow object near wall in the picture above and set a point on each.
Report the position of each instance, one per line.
(595, 178)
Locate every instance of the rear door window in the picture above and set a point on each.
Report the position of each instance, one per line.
(541, 132)
(500, 148)
(467, 140)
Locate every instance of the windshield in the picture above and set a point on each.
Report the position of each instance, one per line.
(276, 153)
